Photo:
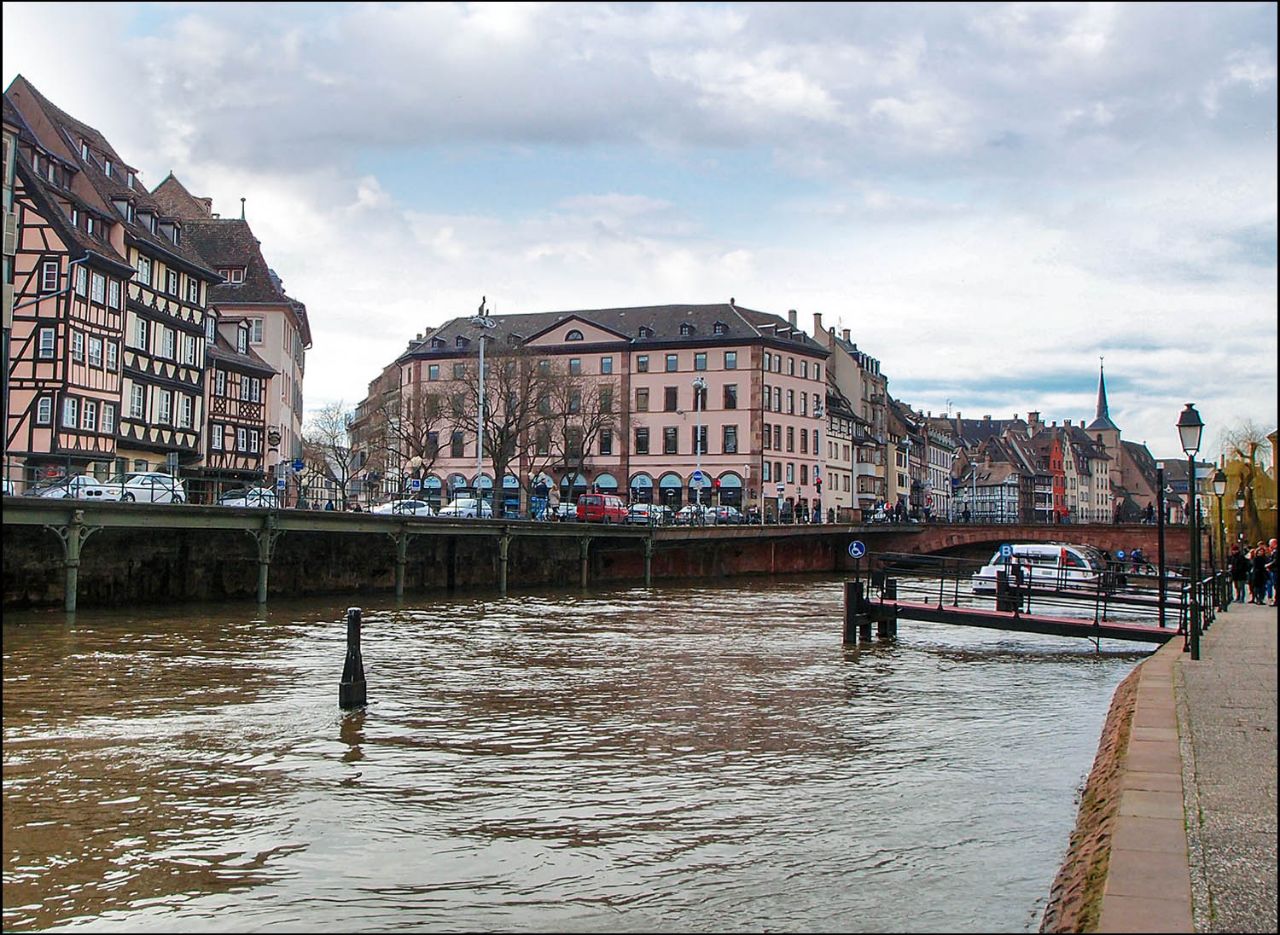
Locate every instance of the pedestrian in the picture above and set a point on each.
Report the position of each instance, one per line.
(1271, 572)
(1238, 566)
(329, 504)
(1258, 574)
(1150, 517)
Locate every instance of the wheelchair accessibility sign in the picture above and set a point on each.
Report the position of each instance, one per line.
(857, 549)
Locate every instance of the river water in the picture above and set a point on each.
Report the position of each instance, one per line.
(701, 757)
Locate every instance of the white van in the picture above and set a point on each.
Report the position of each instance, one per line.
(1048, 565)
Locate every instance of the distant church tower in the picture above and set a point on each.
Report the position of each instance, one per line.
(1105, 432)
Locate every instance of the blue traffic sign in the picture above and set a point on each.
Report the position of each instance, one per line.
(1006, 551)
(697, 477)
(415, 483)
(280, 483)
(857, 549)
(297, 464)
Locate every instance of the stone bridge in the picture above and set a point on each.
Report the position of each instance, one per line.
(944, 539)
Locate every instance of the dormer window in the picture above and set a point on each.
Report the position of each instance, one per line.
(460, 341)
(720, 328)
(437, 342)
(84, 150)
(147, 220)
(122, 205)
(210, 327)
(686, 328)
(232, 274)
(645, 331)
(513, 339)
(242, 340)
(574, 335)
(106, 167)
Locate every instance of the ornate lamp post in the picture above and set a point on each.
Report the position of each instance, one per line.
(1219, 489)
(1190, 428)
(1240, 511)
(699, 387)
(484, 323)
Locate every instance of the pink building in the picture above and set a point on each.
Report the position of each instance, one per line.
(728, 392)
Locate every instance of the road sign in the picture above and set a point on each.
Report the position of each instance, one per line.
(782, 488)
(1006, 551)
(857, 549)
(415, 483)
(280, 483)
(297, 464)
(697, 477)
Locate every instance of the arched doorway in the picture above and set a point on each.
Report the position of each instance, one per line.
(605, 483)
(431, 488)
(729, 492)
(459, 486)
(510, 494)
(572, 488)
(641, 488)
(483, 488)
(671, 491)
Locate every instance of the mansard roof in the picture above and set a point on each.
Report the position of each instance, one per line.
(661, 324)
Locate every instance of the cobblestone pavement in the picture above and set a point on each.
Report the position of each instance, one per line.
(1227, 726)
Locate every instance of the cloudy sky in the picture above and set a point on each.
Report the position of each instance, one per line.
(989, 196)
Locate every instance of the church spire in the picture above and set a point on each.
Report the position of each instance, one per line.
(1102, 418)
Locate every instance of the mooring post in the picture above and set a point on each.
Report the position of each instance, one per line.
(351, 692)
(648, 560)
(73, 536)
(504, 546)
(852, 611)
(401, 539)
(584, 546)
(266, 540)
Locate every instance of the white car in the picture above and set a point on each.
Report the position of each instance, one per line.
(405, 508)
(263, 497)
(150, 487)
(75, 487)
(467, 507)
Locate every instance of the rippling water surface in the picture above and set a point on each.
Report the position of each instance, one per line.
(699, 758)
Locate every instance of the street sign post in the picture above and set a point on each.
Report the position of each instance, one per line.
(297, 465)
(856, 551)
(415, 483)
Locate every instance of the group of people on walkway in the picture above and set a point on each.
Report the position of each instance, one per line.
(1256, 569)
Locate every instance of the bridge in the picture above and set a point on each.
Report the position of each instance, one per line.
(143, 553)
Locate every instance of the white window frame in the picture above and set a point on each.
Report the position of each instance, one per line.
(164, 407)
(113, 293)
(255, 330)
(44, 410)
(140, 335)
(48, 344)
(77, 346)
(89, 416)
(219, 382)
(70, 412)
(186, 411)
(50, 271)
(98, 288)
(193, 290)
(108, 418)
(241, 439)
(215, 436)
(168, 342)
(82, 281)
(95, 351)
(144, 270)
(137, 402)
(113, 355)
(172, 282)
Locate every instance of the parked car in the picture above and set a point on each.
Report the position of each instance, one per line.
(405, 508)
(150, 487)
(263, 497)
(650, 514)
(601, 508)
(467, 507)
(726, 515)
(691, 514)
(74, 487)
(565, 512)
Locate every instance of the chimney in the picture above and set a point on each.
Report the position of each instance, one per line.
(242, 218)
(817, 323)
(731, 302)
(791, 318)
(845, 334)
(986, 418)
(1067, 423)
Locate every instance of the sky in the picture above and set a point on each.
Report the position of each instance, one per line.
(991, 197)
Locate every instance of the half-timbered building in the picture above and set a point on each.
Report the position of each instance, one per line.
(238, 384)
(144, 292)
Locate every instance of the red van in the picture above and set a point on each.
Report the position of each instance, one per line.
(601, 508)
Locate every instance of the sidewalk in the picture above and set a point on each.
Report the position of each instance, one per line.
(1194, 841)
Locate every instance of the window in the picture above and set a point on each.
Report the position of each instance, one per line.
(89, 417)
(642, 363)
(804, 473)
(69, 413)
(242, 340)
(255, 389)
(220, 383)
(44, 410)
(186, 408)
(730, 360)
(255, 330)
(644, 331)
(95, 351)
(575, 366)
(544, 366)
(804, 370)
(791, 402)
(210, 328)
(767, 472)
(113, 293)
(171, 282)
(804, 442)
(433, 444)
(791, 473)
(188, 349)
(193, 290)
(108, 418)
(719, 328)
(768, 361)
(433, 372)
(144, 270)
(731, 396)
(575, 401)
(791, 366)
(642, 441)
(77, 346)
(543, 442)
(670, 398)
(46, 343)
(459, 371)
(670, 441)
(642, 399)
(455, 445)
(768, 397)
(791, 438)
(777, 399)
(673, 363)
(804, 404)
(167, 339)
(244, 388)
(98, 288)
(164, 406)
(574, 335)
(606, 399)
(255, 441)
(817, 374)
(606, 442)
(700, 361)
(215, 436)
(82, 281)
(606, 365)
(137, 402)
(460, 341)
(730, 441)
(242, 441)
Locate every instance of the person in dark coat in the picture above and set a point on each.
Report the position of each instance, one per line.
(1238, 567)
(1258, 574)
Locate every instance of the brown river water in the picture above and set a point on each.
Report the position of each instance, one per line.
(697, 757)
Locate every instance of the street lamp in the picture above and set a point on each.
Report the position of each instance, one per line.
(484, 323)
(699, 387)
(1240, 511)
(1219, 489)
(1190, 428)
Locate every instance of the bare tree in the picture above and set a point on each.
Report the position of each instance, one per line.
(1247, 445)
(409, 423)
(326, 447)
(581, 410)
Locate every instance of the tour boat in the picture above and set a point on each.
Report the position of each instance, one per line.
(1044, 565)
